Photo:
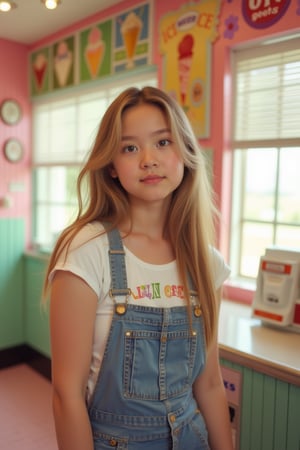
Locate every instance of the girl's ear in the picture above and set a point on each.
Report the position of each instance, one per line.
(113, 172)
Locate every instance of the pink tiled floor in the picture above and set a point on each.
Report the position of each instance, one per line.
(25, 410)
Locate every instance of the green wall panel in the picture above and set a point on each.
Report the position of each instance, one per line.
(269, 396)
(246, 409)
(12, 232)
(293, 431)
(257, 407)
(36, 317)
(281, 415)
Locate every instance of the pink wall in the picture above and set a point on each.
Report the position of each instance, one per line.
(15, 177)
(13, 83)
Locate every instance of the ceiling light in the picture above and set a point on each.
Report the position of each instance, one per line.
(51, 4)
(7, 5)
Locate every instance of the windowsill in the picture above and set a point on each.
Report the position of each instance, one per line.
(37, 254)
(239, 290)
(243, 283)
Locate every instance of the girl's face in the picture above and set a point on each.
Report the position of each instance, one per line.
(148, 162)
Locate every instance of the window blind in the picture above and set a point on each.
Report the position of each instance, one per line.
(267, 96)
(64, 129)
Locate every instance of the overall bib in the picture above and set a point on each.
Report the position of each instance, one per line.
(143, 396)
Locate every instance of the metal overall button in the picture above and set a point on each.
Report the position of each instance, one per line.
(121, 308)
(197, 311)
(113, 443)
(196, 306)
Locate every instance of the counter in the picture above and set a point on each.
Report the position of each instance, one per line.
(263, 348)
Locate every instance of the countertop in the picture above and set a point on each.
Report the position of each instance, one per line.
(264, 348)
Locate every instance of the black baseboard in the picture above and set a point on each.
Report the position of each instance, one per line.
(24, 354)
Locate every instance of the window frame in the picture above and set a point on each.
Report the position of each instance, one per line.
(237, 215)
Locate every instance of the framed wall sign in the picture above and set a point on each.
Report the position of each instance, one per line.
(10, 111)
(13, 150)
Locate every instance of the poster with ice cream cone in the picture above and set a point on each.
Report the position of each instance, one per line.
(39, 71)
(186, 38)
(133, 38)
(95, 51)
(63, 63)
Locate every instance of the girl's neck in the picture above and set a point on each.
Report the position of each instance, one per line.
(146, 238)
(148, 221)
(149, 246)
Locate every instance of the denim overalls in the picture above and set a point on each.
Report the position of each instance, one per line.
(143, 396)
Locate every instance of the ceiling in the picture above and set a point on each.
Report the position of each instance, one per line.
(31, 21)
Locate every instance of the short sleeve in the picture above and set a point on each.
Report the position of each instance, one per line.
(220, 268)
(87, 258)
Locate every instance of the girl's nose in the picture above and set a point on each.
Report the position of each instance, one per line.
(149, 164)
(148, 160)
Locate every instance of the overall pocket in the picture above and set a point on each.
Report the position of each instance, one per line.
(158, 365)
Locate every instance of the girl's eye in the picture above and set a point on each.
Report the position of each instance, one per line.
(130, 149)
(163, 142)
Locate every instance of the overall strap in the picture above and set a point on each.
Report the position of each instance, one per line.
(119, 287)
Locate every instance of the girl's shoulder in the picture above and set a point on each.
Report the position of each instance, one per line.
(88, 244)
(90, 232)
(86, 257)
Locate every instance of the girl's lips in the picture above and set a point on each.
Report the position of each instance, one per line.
(152, 179)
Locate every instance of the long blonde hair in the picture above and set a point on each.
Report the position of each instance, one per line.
(191, 218)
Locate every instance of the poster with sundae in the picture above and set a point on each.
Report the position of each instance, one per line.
(63, 63)
(39, 66)
(132, 38)
(95, 51)
(186, 38)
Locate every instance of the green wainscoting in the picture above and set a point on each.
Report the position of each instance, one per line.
(12, 232)
(270, 412)
(36, 318)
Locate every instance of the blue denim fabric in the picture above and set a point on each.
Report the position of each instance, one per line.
(143, 397)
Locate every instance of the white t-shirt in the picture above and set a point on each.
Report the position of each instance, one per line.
(151, 285)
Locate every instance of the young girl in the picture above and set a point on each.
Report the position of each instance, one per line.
(135, 291)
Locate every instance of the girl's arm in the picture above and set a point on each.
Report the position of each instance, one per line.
(210, 395)
(72, 316)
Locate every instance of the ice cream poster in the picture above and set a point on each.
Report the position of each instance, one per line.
(39, 66)
(186, 38)
(63, 63)
(132, 38)
(95, 51)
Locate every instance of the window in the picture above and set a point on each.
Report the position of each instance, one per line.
(63, 133)
(266, 159)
